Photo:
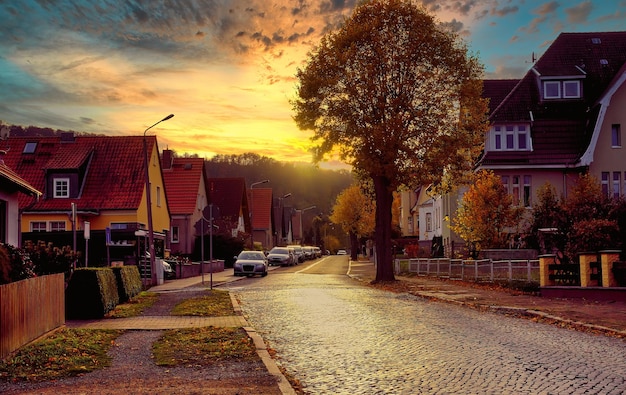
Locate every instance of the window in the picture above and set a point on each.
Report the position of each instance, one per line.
(552, 89)
(617, 177)
(616, 136)
(604, 181)
(515, 191)
(57, 226)
(119, 225)
(175, 232)
(29, 148)
(510, 138)
(519, 187)
(527, 191)
(569, 89)
(38, 226)
(61, 187)
(158, 196)
(505, 182)
(429, 222)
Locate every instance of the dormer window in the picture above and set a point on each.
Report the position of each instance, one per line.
(557, 89)
(61, 187)
(509, 138)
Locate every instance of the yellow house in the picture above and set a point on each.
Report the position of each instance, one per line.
(95, 185)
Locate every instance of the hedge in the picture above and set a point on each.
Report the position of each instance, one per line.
(91, 293)
(128, 282)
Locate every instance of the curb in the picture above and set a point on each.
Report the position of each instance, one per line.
(261, 349)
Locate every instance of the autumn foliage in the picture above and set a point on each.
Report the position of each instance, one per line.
(486, 215)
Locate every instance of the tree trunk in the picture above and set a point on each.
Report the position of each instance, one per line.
(382, 236)
(354, 246)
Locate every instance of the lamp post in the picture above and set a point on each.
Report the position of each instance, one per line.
(149, 200)
(251, 203)
(301, 218)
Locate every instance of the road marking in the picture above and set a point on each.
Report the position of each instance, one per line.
(313, 265)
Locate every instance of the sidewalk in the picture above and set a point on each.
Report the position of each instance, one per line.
(607, 317)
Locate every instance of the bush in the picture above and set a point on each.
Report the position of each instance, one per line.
(91, 293)
(128, 282)
(14, 265)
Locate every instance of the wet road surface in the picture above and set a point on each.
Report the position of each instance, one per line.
(338, 336)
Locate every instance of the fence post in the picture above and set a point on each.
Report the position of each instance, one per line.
(476, 270)
(510, 270)
(491, 270)
(528, 270)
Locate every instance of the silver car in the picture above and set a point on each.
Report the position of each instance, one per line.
(249, 263)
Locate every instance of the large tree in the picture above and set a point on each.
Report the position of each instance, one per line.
(399, 98)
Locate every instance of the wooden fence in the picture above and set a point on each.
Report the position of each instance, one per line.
(29, 309)
(472, 270)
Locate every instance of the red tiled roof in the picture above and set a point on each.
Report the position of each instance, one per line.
(560, 130)
(227, 194)
(114, 177)
(182, 183)
(16, 182)
(261, 207)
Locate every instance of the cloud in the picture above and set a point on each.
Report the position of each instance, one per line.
(545, 11)
(504, 11)
(579, 13)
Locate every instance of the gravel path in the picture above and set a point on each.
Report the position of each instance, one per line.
(133, 370)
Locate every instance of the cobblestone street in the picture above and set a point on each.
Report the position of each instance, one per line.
(337, 336)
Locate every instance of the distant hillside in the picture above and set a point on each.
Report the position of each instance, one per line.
(308, 185)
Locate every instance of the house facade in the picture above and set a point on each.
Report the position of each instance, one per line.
(562, 119)
(262, 218)
(185, 185)
(95, 183)
(11, 186)
(230, 206)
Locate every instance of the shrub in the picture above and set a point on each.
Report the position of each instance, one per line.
(91, 293)
(128, 282)
(14, 265)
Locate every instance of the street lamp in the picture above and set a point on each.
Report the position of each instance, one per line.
(149, 200)
(301, 218)
(251, 202)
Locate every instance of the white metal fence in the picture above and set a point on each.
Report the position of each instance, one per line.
(484, 270)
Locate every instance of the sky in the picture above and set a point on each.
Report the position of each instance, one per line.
(225, 69)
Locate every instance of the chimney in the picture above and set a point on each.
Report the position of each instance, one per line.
(167, 160)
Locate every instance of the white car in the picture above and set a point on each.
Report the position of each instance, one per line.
(342, 252)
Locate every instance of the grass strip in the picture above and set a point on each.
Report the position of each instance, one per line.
(203, 346)
(65, 353)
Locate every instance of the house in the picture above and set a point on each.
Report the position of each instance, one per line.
(230, 207)
(11, 185)
(282, 219)
(185, 186)
(93, 183)
(261, 216)
(562, 119)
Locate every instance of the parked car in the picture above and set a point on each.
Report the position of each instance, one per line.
(168, 272)
(249, 263)
(318, 252)
(308, 253)
(281, 256)
(299, 253)
(341, 252)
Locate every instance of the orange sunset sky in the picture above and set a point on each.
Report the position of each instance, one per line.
(224, 68)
